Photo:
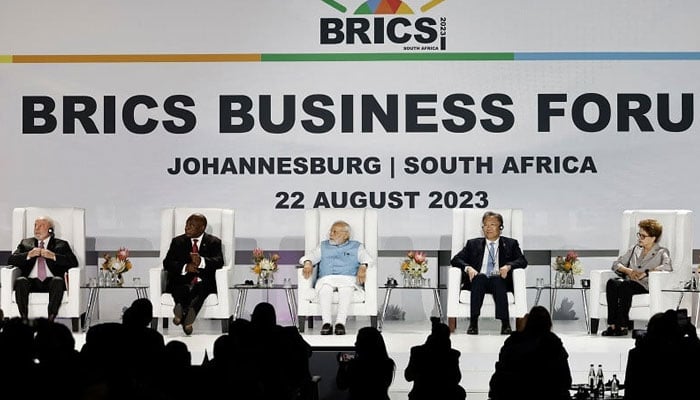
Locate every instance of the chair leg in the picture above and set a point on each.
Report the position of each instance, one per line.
(302, 321)
(594, 325)
(373, 321)
(165, 323)
(224, 325)
(311, 322)
(76, 324)
(452, 323)
(520, 324)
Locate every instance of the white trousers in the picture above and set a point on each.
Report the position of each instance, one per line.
(345, 285)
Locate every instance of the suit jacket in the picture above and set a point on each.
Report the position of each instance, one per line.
(179, 255)
(472, 255)
(65, 259)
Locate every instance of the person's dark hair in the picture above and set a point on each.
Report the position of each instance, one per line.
(370, 344)
(199, 216)
(439, 337)
(538, 321)
(264, 316)
(652, 227)
(489, 214)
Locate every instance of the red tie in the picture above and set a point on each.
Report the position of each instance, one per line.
(41, 264)
(195, 250)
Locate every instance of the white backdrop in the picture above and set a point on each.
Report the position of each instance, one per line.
(122, 178)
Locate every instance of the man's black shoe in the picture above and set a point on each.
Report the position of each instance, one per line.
(339, 329)
(327, 329)
(505, 329)
(473, 330)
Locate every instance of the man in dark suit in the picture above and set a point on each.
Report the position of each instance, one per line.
(191, 263)
(487, 265)
(43, 261)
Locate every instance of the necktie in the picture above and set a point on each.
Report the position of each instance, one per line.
(195, 250)
(491, 264)
(41, 264)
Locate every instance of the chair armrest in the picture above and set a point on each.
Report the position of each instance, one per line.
(8, 275)
(520, 292)
(305, 287)
(599, 278)
(371, 287)
(659, 301)
(454, 282)
(156, 283)
(224, 278)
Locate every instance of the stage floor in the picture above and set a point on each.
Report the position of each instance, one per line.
(479, 352)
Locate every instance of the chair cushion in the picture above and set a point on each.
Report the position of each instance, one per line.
(465, 298)
(358, 296)
(166, 299)
(638, 300)
(40, 298)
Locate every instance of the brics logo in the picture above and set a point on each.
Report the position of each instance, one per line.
(393, 22)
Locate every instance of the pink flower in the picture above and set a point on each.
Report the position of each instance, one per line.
(419, 257)
(122, 254)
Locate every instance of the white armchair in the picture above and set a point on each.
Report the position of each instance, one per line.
(466, 224)
(69, 225)
(363, 226)
(220, 223)
(676, 237)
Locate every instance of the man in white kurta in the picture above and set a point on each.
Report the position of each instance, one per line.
(342, 266)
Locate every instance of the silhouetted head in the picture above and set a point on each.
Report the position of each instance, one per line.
(370, 343)
(140, 313)
(538, 321)
(439, 334)
(264, 316)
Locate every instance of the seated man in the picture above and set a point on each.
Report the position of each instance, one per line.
(342, 265)
(191, 263)
(487, 265)
(43, 261)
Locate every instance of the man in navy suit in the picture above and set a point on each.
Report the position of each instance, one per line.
(191, 263)
(43, 261)
(487, 265)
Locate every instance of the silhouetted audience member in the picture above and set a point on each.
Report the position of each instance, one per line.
(657, 365)
(369, 372)
(146, 344)
(282, 352)
(17, 353)
(58, 360)
(434, 367)
(532, 363)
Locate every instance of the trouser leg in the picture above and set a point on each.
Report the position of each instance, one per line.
(477, 292)
(344, 300)
(56, 288)
(325, 298)
(498, 288)
(22, 296)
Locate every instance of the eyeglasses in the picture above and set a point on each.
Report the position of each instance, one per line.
(642, 236)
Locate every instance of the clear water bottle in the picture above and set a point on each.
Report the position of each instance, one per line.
(614, 387)
(600, 381)
(591, 378)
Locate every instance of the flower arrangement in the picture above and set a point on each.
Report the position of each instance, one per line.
(264, 265)
(118, 264)
(570, 263)
(415, 264)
